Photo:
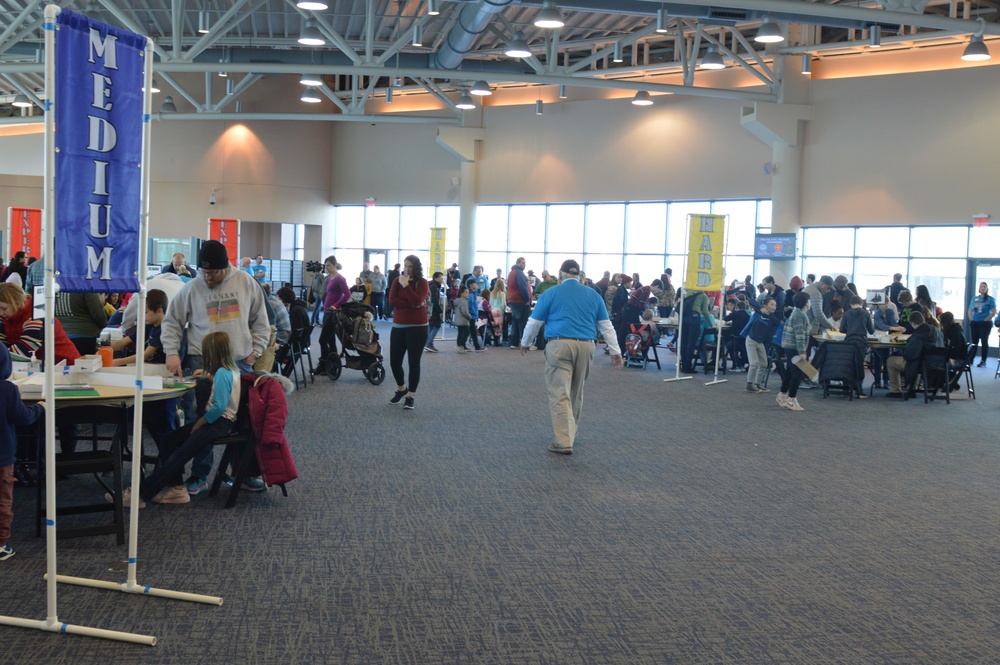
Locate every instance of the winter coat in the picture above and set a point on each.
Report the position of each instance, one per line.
(268, 415)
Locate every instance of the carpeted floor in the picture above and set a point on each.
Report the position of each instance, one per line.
(694, 524)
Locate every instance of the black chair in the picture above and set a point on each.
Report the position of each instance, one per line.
(956, 371)
(934, 375)
(96, 461)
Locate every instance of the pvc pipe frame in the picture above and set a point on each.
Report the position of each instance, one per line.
(52, 623)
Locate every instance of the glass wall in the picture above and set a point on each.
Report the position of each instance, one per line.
(934, 256)
(614, 237)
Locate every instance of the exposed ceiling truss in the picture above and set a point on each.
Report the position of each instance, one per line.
(609, 44)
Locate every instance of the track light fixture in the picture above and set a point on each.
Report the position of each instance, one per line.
(769, 32)
(310, 35)
(712, 59)
(465, 101)
(549, 16)
(976, 50)
(311, 95)
(517, 47)
(642, 98)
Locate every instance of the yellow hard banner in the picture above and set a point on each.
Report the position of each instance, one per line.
(437, 250)
(705, 250)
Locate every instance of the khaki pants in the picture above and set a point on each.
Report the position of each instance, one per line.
(897, 369)
(567, 366)
(266, 361)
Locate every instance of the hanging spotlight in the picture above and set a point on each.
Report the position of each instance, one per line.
(642, 98)
(539, 110)
(310, 35)
(388, 95)
(562, 91)
(465, 102)
(712, 59)
(21, 101)
(311, 79)
(807, 65)
(168, 105)
(230, 86)
(481, 88)
(661, 20)
(398, 81)
(617, 57)
(769, 32)
(976, 50)
(875, 36)
(311, 95)
(433, 7)
(517, 47)
(311, 5)
(549, 16)
(153, 88)
(418, 36)
(203, 22)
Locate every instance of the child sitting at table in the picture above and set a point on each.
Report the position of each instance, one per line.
(15, 414)
(166, 484)
(158, 416)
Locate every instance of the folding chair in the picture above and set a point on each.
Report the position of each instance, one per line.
(933, 371)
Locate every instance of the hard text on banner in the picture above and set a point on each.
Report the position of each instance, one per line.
(226, 231)
(437, 250)
(24, 231)
(706, 244)
(98, 154)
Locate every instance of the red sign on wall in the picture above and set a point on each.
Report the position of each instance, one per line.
(24, 231)
(226, 231)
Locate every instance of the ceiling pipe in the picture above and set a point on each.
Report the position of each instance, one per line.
(473, 20)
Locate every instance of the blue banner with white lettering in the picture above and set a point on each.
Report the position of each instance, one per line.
(98, 161)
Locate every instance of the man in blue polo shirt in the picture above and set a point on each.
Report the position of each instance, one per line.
(571, 313)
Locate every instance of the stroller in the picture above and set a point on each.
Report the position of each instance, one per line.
(355, 329)
(637, 343)
(491, 331)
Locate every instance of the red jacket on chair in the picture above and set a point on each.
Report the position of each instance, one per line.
(268, 414)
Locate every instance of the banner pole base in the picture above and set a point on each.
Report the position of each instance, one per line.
(715, 381)
(60, 627)
(139, 590)
(677, 378)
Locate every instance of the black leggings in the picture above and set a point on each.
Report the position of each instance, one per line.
(980, 330)
(793, 375)
(407, 342)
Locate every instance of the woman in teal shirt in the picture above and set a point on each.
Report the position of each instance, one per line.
(982, 309)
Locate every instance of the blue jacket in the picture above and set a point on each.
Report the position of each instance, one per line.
(15, 412)
(473, 307)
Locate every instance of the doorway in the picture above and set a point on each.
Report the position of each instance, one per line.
(980, 270)
(377, 257)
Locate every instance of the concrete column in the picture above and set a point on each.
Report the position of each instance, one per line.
(463, 142)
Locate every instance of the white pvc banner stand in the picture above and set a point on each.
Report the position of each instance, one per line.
(52, 623)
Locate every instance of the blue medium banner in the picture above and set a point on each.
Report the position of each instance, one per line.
(98, 138)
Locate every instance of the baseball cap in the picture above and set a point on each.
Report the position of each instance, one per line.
(570, 267)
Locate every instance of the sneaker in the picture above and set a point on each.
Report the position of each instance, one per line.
(430, 349)
(195, 485)
(126, 499)
(793, 404)
(761, 389)
(6, 552)
(781, 399)
(172, 495)
(408, 403)
(532, 348)
(515, 346)
(462, 349)
(560, 450)
(751, 388)
(398, 397)
(255, 484)
(482, 348)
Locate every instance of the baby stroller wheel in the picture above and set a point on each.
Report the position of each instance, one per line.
(333, 366)
(376, 373)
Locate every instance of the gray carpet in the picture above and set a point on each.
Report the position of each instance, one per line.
(694, 524)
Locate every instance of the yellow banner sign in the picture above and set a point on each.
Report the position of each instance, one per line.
(437, 250)
(706, 244)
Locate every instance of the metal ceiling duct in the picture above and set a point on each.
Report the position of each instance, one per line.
(473, 20)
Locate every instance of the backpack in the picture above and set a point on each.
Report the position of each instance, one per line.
(633, 343)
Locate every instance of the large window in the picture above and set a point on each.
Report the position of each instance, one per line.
(605, 237)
